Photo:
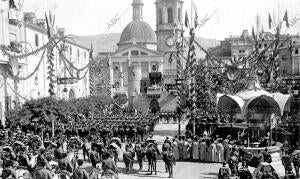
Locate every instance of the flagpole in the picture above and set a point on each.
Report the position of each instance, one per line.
(191, 14)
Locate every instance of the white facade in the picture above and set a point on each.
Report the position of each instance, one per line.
(32, 36)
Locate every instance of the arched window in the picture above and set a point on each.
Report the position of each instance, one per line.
(170, 15)
(179, 15)
(159, 16)
(72, 94)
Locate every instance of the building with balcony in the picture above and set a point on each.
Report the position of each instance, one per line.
(23, 33)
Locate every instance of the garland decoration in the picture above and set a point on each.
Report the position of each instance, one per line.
(6, 52)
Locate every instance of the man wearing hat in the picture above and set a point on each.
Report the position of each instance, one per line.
(42, 172)
(80, 172)
(42, 160)
(23, 158)
(65, 164)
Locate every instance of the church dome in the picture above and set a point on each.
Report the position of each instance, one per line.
(138, 31)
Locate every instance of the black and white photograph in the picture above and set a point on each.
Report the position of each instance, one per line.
(149, 89)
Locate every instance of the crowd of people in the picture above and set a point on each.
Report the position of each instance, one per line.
(31, 148)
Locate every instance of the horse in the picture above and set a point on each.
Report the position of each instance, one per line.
(128, 157)
(151, 153)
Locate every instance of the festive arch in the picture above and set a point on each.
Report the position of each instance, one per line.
(228, 103)
(262, 103)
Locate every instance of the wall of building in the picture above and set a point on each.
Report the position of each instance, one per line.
(31, 37)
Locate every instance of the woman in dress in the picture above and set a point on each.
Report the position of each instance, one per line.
(175, 148)
(195, 149)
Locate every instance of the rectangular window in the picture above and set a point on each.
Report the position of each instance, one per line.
(78, 53)
(134, 53)
(259, 45)
(70, 50)
(265, 45)
(296, 67)
(36, 40)
(12, 37)
(7, 103)
(296, 51)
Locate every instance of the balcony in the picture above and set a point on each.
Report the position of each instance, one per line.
(154, 91)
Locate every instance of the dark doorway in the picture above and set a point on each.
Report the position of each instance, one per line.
(154, 106)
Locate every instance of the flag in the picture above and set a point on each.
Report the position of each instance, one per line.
(186, 21)
(286, 19)
(91, 51)
(270, 21)
(196, 20)
(253, 33)
(194, 7)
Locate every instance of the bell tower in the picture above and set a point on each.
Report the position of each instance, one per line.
(168, 20)
(137, 6)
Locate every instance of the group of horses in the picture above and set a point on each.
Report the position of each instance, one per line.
(149, 150)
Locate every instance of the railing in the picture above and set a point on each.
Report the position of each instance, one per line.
(154, 90)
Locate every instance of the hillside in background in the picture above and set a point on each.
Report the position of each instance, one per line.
(108, 42)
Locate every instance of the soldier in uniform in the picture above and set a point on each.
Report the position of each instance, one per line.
(170, 161)
(138, 148)
(94, 155)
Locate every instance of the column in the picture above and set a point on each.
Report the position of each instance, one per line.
(175, 14)
(121, 71)
(149, 67)
(111, 74)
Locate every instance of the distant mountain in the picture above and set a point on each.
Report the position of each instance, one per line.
(108, 42)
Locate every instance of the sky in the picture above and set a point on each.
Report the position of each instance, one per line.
(90, 17)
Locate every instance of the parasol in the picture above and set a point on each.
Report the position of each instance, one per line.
(19, 143)
(51, 146)
(114, 145)
(117, 141)
(8, 149)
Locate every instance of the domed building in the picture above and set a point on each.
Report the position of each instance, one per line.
(138, 32)
(137, 66)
